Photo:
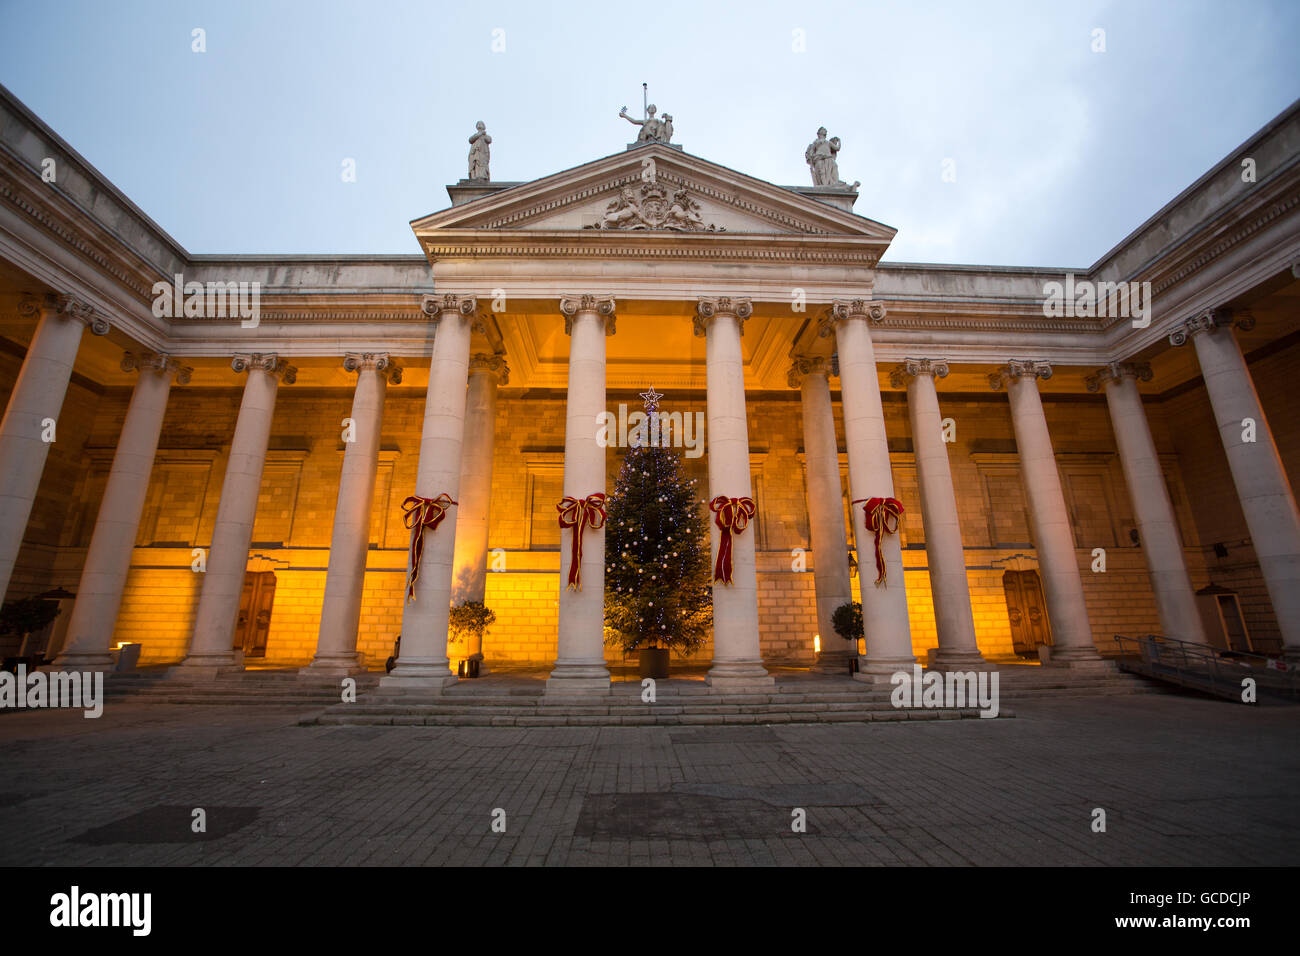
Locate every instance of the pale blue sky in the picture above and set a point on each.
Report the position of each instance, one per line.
(1060, 152)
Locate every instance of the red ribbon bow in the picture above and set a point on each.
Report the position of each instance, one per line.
(881, 516)
(580, 515)
(421, 513)
(731, 515)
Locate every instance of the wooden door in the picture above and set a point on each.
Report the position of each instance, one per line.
(1234, 625)
(255, 613)
(1027, 611)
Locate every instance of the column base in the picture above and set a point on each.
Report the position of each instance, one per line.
(832, 663)
(732, 676)
(424, 675)
(577, 678)
(941, 659)
(879, 670)
(206, 666)
(343, 665)
(81, 662)
(1075, 657)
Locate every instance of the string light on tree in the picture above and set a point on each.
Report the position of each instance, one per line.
(661, 585)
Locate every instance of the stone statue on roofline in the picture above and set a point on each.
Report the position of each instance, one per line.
(652, 130)
(479, 154)
(821, 159)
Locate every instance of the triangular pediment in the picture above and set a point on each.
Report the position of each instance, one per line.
(655, 190)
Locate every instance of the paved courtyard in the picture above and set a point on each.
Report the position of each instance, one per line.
(1183, 781)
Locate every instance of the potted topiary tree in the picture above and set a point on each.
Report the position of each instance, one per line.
(847, 621)
(470, 619)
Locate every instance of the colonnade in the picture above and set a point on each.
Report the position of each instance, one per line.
(455, 472)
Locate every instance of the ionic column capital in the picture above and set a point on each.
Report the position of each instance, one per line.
(846, 310)
(493, 365)
(374, 361)
(450, 303)
(1115, 371)
(159, 362)
(1209, 320)
(1018, 368)
(803, 366)
(913, 368)
(709, 307)
(266, 362)
(67, 306)
(602, 305)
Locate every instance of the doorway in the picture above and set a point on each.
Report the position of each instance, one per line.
(1027, 611)
(255, 613)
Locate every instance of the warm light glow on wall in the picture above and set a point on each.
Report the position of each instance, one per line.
(817, 643)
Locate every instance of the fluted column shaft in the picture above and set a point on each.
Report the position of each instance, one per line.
(422, 663)
(469, 572)
(580, 659)
(830, 546)
(103, 577)
(1053, 538)
(737, 657)
(949, 588)
(884, 606)
(1263, 488)
(223, 583)
(1154, 513)
(37, 395)
(336, 641)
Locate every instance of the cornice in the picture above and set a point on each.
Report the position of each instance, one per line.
(49, 220)
(648, 245)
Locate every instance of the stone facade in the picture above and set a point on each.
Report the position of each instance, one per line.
(296, 509)
(721, 291)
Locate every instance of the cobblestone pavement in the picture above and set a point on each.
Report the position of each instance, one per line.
(1183, 781)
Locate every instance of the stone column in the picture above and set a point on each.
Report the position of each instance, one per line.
(1053, 537)
(580, 661)
(422, 664)
(336, 642)
(469, 570)
(884, 606)
(223, 582)
(737, 657)
(1262, 484)
(943, 545)
(103, 577)
(37, 396)
(1157, 527)
(830, 545)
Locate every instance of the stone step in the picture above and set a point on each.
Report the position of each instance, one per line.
(638, 720)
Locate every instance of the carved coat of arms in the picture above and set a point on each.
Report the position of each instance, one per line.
(654, 206)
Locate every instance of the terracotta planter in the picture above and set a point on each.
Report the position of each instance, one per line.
(652, 662)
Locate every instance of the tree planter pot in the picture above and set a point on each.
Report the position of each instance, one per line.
(652, 662)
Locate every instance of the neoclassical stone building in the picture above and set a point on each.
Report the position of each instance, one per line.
(210, 455)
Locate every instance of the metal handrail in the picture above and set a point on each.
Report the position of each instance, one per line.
(1188, 657)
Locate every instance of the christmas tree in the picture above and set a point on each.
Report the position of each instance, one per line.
(658, 587)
